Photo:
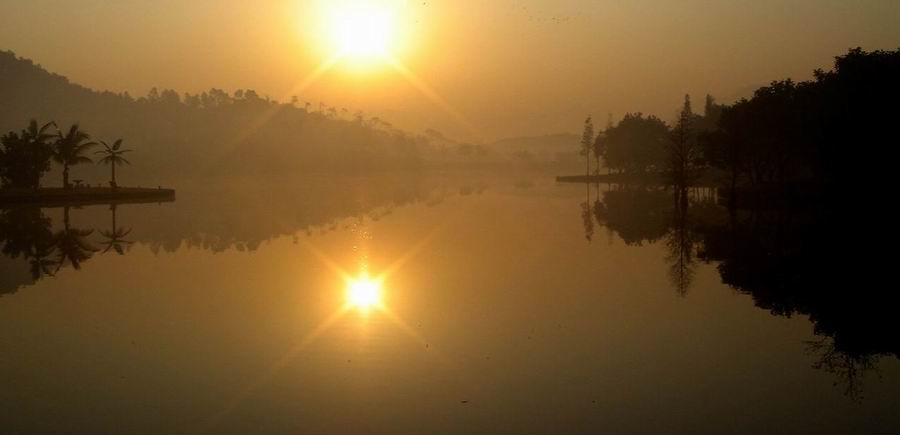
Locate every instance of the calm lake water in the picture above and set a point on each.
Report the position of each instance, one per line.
(508, 305)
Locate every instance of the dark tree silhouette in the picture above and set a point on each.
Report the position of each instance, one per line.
(69, 149)
(598, 148)
(796, 137)
(25, 156)
(682, 152)
(637, 144)
(113, 157)
(587, 143)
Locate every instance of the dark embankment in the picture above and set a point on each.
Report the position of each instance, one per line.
(48, 197)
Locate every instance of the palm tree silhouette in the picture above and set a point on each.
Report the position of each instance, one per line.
(38, 134)
(115, 239)
(69, 149)
(113, 157)
(38, 138)
(72, 244)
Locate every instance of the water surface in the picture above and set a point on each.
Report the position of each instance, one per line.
(509, 305)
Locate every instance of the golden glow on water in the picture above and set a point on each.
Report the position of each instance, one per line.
(364, 293)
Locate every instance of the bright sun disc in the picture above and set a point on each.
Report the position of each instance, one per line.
(362, 30)
(364, 293)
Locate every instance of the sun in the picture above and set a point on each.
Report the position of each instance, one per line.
(362, 30)
(363, 293)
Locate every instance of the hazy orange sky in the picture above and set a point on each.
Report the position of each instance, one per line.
(509, 67)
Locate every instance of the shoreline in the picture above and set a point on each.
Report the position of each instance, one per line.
(59, 197)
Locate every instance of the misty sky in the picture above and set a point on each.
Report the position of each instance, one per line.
(509, 67)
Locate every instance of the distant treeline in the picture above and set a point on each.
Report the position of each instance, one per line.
(214, 132)
(810, 132)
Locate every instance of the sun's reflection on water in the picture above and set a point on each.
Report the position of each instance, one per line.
(364, 293)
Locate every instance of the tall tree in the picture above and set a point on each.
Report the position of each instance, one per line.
(25, 156)
(637, 143)
(587, 142)
(113, 157)
(681, 149)
(69, 149)
(599, 145)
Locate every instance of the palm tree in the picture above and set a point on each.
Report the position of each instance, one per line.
(113, 157)
(115, 239)
(69, 149)
(37, 139)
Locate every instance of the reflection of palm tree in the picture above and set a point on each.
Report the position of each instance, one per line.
(40, 262)
(113, 157)
(69, 150)
(115, 238)
(72, 244)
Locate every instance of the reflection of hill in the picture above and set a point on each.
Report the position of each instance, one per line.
(235, 215)
(244, 214)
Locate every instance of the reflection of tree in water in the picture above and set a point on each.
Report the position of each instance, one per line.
(638, 214)
(848, 370)
(790, 261)
(785, 261)
(586, 216)
(681, 242)
(114, 239)
(643, 214)
(72, 244)
(26, 233)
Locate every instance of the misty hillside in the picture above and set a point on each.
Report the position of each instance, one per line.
(561, 149)
(213, 133)
(560, 142)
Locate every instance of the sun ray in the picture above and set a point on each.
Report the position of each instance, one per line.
(271, 112)
(213, 421)
(432, 95)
